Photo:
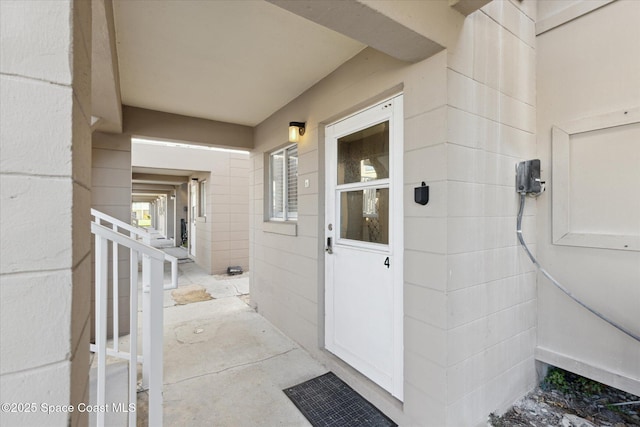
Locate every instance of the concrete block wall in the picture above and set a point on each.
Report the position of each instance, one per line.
(222, 237)
(287, 280)
(111, 194)
(287, 270)
(478, 305)
(228, 202)
(45, 186)
(491, 304)
(469, 292)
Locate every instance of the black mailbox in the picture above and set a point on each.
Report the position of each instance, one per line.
(421, 194)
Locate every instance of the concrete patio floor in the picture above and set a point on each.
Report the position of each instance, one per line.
(224, 364)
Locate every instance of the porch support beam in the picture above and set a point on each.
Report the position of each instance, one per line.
(144, 199)
(408, 31)
(467, 7)
(152, 189)
(143, 123)
(149, 178)
(106, 103)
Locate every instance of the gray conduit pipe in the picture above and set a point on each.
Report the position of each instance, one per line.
(556, 283)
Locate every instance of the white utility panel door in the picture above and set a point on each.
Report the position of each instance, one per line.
(364, 243)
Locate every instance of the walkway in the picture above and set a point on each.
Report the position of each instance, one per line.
(224, 364)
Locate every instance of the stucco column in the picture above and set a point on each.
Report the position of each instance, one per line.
(45, 181)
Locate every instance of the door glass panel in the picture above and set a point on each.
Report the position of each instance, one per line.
(364, 215)
(364, 155)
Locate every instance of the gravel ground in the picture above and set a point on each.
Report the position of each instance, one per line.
(568, 400)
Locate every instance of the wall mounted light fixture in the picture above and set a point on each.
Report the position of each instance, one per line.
(296, 129)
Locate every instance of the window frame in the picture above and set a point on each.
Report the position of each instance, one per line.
(202, 198)
(287, 216)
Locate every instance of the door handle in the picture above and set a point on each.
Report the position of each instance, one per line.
(329, 248)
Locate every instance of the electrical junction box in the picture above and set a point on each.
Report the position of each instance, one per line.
(528, 177)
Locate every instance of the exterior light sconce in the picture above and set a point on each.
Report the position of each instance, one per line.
(296, 129)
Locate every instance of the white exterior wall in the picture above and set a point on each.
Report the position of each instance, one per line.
(287, 272)
(222, 238)
(587, 67)
(111, 194)
(490, 315)
(469, 291)
(45, 185)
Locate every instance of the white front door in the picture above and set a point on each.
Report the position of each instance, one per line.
(193, 202)
(364, 243)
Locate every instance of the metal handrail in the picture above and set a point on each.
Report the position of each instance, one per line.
(127, 241)
(144, 235)
(152, 278)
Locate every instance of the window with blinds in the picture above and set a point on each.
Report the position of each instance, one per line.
(284, 184)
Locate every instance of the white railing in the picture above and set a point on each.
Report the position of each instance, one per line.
(152, 304)
(138, 234)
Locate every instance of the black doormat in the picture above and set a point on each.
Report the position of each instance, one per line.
(326, 401)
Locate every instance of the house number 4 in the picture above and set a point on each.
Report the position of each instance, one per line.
(387, 263)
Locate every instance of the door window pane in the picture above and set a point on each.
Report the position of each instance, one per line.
(364, 215)
(364, 155)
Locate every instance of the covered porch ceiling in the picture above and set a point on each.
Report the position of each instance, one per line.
(229, 61)
(238, 62)
(224, 66)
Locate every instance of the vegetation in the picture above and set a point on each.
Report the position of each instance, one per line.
(567, 382)
(564, 398)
